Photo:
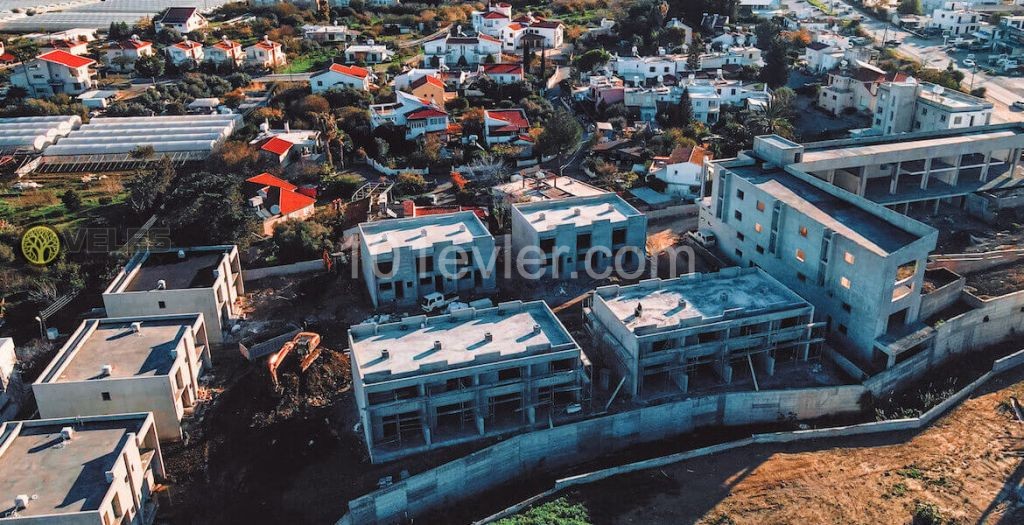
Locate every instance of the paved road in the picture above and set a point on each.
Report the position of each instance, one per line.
(1000, 90)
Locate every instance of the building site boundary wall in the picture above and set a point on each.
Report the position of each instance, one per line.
(314, 265)
(964, 263)
(897, 425)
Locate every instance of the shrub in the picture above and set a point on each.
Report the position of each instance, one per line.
(72, 200)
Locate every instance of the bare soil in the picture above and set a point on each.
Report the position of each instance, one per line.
(997, 281)
(961, 233)
(967, 465)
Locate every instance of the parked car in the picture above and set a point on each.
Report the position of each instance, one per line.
(704, 238)
(893, 43)
(1018, 105)
(969, 62)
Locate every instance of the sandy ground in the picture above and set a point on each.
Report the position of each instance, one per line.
(967, 465)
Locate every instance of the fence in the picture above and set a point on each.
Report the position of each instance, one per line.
(391, 172)
(897, 425)
(570, 444)
(285, 269)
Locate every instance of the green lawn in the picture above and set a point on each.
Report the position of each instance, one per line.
(309, 61)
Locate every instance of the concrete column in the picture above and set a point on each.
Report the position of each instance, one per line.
(682, 380)
(863, 183)
(531, 414)
(984, 168)
(805, 352)
(935, 207)
(724, 370)
(479, 424)
(425, 417)
(906, 208)
(830, 176)
(895, 181)
(927, 173)
(768, 362)
(1016, 160)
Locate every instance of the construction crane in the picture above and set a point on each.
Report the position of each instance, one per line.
(306, 346)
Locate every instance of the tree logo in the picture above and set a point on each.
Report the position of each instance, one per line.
(40, 245)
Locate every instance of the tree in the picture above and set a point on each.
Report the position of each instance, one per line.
(410, 184)
(561, 134)
(771, 119)
(775, 72)
(431, 148)
(685, 108)
(693, 57)
(592, 59)
(122, 62)
(146, 187)
(296, 240)
(72, 200)
(910, 7)
(151, 66)
(205, 208)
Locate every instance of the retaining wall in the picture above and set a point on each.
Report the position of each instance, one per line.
(557, 447)
(391, 172)
(314, 265)
(964, 263)
(682, 210)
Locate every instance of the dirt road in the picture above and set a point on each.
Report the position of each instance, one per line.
(967, 468)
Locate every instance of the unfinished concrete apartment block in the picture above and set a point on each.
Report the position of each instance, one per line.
(131, 364)
(81, 470)
(416, 256)
(566, 230)
(667, 336)
(205, 280)
(860, 264)
(426, 382)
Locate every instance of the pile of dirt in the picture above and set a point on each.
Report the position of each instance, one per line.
(998, 281)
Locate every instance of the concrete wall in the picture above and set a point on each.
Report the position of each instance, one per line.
(991, 321)
(941, 297)
(574, 443)
(964, 263)
(284, 269)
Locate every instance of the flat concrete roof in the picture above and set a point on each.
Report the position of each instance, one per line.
(843, 217)
(63, 477)
(195, 270)
(146, 353)
(547, 188)
(420, 233)
(667, 302)
(868, 147)
(577, 211)
(462, 336)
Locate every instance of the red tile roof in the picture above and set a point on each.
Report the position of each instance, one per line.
(7, 57)
(494, 15)
(429, 112)
(515, 117)
(66, 59)
(427, 79)
(188, 46)
(268, 45)
(277, 146)
(547, 24)
(227, 45)
(266, 179)
(503, 69)
(488, 37)
(515, 26)
(352, 71)
(130, 44)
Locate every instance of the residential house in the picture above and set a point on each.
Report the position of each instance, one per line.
(429, 87)
(403, 260)
(286, 146)
(181, 19)
(492, 20)
(128, 365)
(368, 53)
(55, 72)
(206, 280)
(225, 52)
(418, 116)
(502, 73)
(185, 51)
(853, 85)
(462, 51)
(505, 126)
(265, 54)
(682, 171)
(275, 200)
(131, 50)
(329, 34)
(340, 76)
(908, 106)
(75, 47)
(955, 19)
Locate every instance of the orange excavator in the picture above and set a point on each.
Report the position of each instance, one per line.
(305, 345)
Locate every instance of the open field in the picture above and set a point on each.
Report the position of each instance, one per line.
(44, 204)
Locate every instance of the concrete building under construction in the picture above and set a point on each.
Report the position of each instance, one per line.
(427, 382)
(663, 337)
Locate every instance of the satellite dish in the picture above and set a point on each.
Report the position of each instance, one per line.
(275, 209)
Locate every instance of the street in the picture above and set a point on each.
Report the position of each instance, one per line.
(1002, 91)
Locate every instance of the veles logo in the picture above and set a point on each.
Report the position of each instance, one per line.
(40, 245)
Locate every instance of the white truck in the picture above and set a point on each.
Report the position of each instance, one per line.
(436, 301)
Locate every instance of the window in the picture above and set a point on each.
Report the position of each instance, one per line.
(800, 255)
(849, 258)
(105, 396)
(737, 215)
(842, 329)
(844, 282)
(803, 231)
(740, 236)
(760, 206)
(739, 194)
(739, 253)
(161, 304)
(583, 241)
(384, 267)
(759, 248)
(847, 308)
(619, 236)
(547, 245)
(801, 277)
(426, 264)
(385, 287)
(957, 120)
(757, 227)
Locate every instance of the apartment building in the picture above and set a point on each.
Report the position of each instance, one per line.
(125, 365)
(860, 264)
(83, 470)
(919, 170)
(427, 382)
(910, 106)
(955, 19)
(666, 337)
(55, 72)
(558, 238)
(404, 259)
(206, 280)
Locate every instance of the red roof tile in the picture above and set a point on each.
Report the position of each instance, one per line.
(503, 69)
(293, 201)
(425, 113)
(494, 15)
(482, 36)
(266, 179)
(515, 117)
(130, 44)
(188, 46)
(427, 79)
(7, 57)
(352, 71)
(277, 146)
(66, 59)
(226, 45)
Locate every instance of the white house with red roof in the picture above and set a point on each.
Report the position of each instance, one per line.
(55, 72)
(417, 115)
(6, 59)
(131, 49)
(275, 200)
(491, 20)
(340, 76)
(184, 51)
(463, 51)
(265, 54)
(286, 146)
(682, 170)
(503, 126)
(541, 32)
(75, 47)
(225, 52)
(502, 73)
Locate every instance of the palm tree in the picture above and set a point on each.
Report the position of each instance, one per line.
(770, 119)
